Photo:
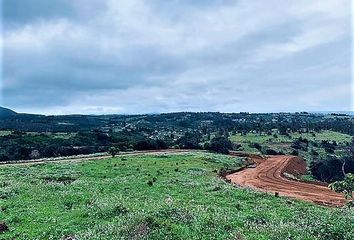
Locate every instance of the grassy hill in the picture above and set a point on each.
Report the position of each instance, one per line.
(170, 196)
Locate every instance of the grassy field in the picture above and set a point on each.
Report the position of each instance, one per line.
(263, 138)
(340, 138)
(154, 197)
(282, 143)
(53, 135)
(5, 133)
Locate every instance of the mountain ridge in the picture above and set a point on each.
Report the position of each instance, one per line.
(6, 112)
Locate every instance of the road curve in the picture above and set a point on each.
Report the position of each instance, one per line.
(269, 176)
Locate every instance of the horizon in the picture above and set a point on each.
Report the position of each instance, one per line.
(136, 57)
(158, 113)
(182, 119)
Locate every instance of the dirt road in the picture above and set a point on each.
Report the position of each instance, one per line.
(270, 173)
(93, 157)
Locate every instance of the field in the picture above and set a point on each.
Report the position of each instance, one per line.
(283, 143)
(5, 133)
(174, 196)
(263, 138)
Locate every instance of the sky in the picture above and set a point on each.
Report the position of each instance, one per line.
(152, 56)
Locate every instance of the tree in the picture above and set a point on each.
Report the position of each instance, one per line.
(346, 186)
(328, 169)
(206, 146)
(161, 144)
(144, 145)
(220, 145)
(256, 146)
(113, 151)
(190, 140)
(271, 152)
(295, 153)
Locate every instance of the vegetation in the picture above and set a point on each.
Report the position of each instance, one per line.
(323, 140)
(113, 151)
(346, 186)
(4, 112)
(220, 145)
(154, 197)
(326, 151)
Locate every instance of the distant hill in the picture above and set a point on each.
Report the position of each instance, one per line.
(350, 113)
(5, 112)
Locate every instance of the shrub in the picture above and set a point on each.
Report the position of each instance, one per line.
(256, 146)
(220, 145)
(190, 140)
(113, 151)
(295, 153)
(331, 168)
(346, 186)
(271, 152)
(314, 152)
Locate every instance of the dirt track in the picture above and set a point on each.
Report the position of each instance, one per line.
(88, 157)
(270, 176)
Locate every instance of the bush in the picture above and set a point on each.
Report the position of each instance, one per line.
(314, 152)
(190, 140)
(271, 152)
(206, 146)
(329, 147)
(346, 186)
(256, 146)
(220, 145)
(150, 145)
(330, 169)
(295, 153)
(113, 151)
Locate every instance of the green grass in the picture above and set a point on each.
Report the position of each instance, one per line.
(111, 199)
(283, 143)
(5, 133)
(340, 138)
(53, 135)
(251, 138)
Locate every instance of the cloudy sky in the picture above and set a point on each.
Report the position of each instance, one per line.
(147, 56)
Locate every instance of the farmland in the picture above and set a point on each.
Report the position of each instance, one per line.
(160, 196)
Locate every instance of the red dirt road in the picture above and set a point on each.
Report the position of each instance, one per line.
(269, 176)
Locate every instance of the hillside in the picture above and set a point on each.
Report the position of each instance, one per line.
(5, 112)
(323, 140)
(154, 196)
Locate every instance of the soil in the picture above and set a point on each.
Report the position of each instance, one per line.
(270, 176)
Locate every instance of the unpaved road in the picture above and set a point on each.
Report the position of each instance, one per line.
(269, 175)
(89, 157)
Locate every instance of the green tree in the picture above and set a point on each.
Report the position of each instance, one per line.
(346, 186)
(220, 145)
(113, 151)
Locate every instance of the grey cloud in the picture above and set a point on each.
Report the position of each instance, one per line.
(150, 56)
(24, 11)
